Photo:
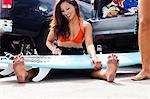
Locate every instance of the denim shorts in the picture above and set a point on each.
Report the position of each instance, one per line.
(71, 51)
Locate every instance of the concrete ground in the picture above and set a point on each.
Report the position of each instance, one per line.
(62, 85)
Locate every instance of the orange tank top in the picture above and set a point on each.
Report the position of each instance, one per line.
(77, 39)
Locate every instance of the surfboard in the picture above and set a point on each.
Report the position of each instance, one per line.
(47, 62)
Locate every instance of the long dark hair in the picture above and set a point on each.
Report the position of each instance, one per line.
(61, 22)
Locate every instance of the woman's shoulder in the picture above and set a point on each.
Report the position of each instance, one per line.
(86, 24)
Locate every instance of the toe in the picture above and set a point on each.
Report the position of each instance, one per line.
(136, 78)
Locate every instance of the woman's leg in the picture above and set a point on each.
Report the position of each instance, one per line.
(144, 38)
(110, 73)
(19, 69)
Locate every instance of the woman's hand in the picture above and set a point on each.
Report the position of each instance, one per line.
(56, 51)
(97, 63)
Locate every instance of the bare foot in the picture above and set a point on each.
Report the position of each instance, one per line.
(141, 76)
(19, 69)
(112, 67)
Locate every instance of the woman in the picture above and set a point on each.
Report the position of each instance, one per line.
(67, 33)
(70, 30)
(143, 39)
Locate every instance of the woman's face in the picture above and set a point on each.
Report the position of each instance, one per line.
(68, 10)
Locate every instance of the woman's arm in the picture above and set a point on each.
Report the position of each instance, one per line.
(50, 40)
(90, 46)
(89, 39)
(51, 37)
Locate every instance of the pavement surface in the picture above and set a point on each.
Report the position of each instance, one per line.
(67, 85)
